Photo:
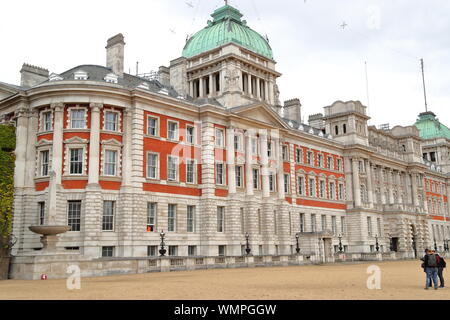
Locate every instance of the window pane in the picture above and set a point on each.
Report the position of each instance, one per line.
(77, 119)
(74, 215)
(76, 161)
(190, 218)
(108, 215)
(152, 166)
(111, 121)
(44, 162)
(110, 162)
(151, 217)
(152, 126)
(172, 169)
(171, 222)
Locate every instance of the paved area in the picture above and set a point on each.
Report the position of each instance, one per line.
(399, 280)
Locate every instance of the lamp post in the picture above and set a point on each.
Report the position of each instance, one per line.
(297, 235)
(435, 245)
(377, 246)
(446, 248)
(247, 249)
(162, 251)
(391, 248)
(340, 243)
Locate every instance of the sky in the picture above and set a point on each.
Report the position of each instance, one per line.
(322, 47)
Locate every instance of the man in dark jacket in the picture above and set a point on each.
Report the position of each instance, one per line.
(441, 265)
(430, 262)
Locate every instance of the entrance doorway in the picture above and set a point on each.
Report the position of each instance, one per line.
(395, 244)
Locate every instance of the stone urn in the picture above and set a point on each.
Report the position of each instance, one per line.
(49, 236)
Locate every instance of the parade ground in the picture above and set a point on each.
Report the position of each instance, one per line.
(399, 280)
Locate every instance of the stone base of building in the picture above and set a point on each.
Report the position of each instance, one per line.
(59, 266)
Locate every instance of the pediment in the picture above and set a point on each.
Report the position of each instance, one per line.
(111, 142)
(262, 113)
(76, 140)
(6, 91)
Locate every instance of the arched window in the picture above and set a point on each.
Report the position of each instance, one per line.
(344, 128)
(336, 130)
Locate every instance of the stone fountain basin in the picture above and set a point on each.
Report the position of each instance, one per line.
(49, 230)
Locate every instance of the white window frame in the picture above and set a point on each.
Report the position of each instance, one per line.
(177, 168)
(221, 219)
(322, 188)
(222, 176)
(152, 214)
(286, 183)
(194, 171)
(69, 117)
(285, 152)
(254, 145)
(157, 122)
(332, 190)
(219, 142)
(190, 126)
(301, 184)
(107, 164)
(239, 178)
(193, 220)
(298, 155)
(156, 177)
(41, 163)
(114, 205)
(111, 145)
(257, 180)
(313, 193)
(171, 205)
(177, 131)
(83, 160)
(43, 123)
(118, 119)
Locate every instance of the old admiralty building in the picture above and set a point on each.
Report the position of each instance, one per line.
(204, 151)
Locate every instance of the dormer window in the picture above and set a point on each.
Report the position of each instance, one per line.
(80, 75)
(55, 77)
(111, 78)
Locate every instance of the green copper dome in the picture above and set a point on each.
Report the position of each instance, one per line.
(430, 127)
(227, 27)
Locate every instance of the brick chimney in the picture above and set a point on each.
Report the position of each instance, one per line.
(31, 76)
(115, 48)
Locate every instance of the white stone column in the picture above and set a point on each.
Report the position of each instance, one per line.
(94, 144)
(57, 149)
(356, 183)
(202, 93)
(249, 79)
(258, 88)
(248, 163)
(390, 186)
(230, 161)
(126, 151)
(191, 88)
(21, 147)
(271, 92)
(266, 90)
(399, 182)
(369, 183)
(264, 164)
(210, 79)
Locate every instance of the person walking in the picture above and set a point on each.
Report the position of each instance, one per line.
(441, 265)
(430, 262)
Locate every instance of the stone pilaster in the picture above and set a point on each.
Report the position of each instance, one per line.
(127, 148)
(369, 183)
(248, 163)
(390, 186)
(356, 183)
(94, 145)
(264, 164)
(57, 149)
(280, 172)
(231, 161)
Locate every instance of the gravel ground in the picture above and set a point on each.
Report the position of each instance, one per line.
(399, 280)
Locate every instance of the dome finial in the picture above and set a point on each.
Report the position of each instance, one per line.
(226, 2)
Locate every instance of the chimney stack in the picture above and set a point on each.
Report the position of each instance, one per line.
(115, 54)
(292, 110)
(164, 76)
(31, 76)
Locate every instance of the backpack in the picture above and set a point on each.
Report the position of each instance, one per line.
(432, 261)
